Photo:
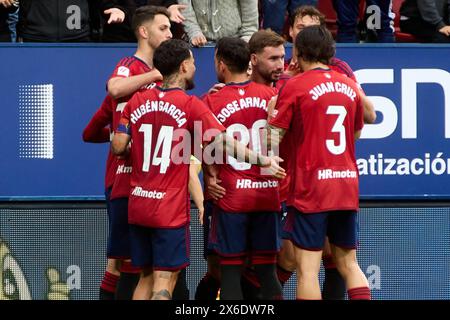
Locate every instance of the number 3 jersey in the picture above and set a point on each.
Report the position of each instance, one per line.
(161, 125)
(242, 109)
(321, 110)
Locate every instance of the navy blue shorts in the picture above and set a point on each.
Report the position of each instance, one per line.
(308, 231)
(162, 249)
(119, 230)
(283, 218)
(236, 236)
(207, 215)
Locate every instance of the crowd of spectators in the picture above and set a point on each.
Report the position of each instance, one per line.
(202, 21)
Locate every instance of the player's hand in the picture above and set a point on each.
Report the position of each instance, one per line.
(272, 167)
(215, 88)
(58, 290)
(175, 12)
(126, 153)
(215, 190)
(293, 68)
(155, 75)
(271, 107)
(201, 213)
(115, 15)
(199, 41)
(7, 3)
(445, 30)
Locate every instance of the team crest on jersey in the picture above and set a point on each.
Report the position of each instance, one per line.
(327, 75)
(123, 71)
(241, 92)
(161, 94)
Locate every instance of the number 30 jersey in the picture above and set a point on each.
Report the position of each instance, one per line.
(242, 109)
(161, 124)
(321, 110)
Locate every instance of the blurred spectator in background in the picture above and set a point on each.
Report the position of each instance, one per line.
(117, 16)
(210, 20)
(274, 12)
(13, 19)
(379, 19)
(7, 7)
(58, 20)
(426, 19)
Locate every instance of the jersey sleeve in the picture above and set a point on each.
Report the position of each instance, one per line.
(122, 69)
(284, 108)
(124, 122)
(96, 131)
(344, 68)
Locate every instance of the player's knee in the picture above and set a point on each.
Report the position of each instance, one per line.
(347, 266)
(287, 262)
(307, 275)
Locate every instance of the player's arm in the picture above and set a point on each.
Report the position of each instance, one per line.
(357, 134)
(119, 145)
(195, 188)
(212, 181)
(236, 149)
(96, 131)
(274, 137)
(119, 87)
(369, 110)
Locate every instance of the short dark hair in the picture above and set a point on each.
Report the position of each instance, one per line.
(169, 56)
(306, 10)
(146, 14)
(234, 52)
(264, 38)
(315, 44)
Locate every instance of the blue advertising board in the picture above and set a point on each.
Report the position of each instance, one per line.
(50, 92)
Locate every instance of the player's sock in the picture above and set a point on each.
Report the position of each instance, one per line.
(230, 284)
(108, 286)
(207, 288)
(270, 286)
(361, 293)
(334, 284)
(283, 275)
(251, 288)
(129, 278)
(181, 292)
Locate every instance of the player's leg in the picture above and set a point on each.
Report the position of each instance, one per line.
(343, 233)
(286, 264)
(180, 290)
(264, 245)
(286, 257)
(308, 267)
(142, 257)
(111, 275)
(229, 239)
(120, 248)
(164, 284)
(144, 288)
(170, 256)
(251, 285)
(307, 232)
(209, 285)
(334, 284)
(110, 278)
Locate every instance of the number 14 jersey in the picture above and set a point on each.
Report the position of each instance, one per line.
(162, 124)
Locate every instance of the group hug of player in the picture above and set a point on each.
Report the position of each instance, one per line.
(276, 142)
